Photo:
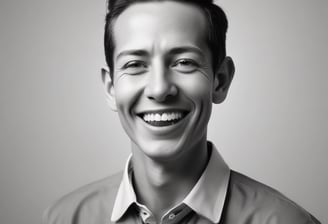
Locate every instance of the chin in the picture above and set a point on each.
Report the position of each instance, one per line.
(162, 150)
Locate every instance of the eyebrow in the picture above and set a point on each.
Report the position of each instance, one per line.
(135, 52)
(173, 51)
(185, 49)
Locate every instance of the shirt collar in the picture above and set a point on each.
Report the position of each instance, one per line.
(206, 198)
(208, 195)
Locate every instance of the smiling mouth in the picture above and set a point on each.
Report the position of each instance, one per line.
(160, 119)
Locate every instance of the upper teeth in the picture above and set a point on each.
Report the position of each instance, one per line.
(162, 117)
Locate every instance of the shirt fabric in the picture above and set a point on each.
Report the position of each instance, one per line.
(206, 198)
(220, 196)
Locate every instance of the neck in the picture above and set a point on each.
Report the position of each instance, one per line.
(160, 185)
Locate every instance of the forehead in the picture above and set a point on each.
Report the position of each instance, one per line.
(159, 25)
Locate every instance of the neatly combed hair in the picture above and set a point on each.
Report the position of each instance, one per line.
(217, 27)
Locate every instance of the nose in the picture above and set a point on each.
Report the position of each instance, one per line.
(160, 85)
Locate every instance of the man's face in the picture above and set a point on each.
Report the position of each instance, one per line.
(163, 77)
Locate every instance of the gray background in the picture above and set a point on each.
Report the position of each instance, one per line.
(57, 133)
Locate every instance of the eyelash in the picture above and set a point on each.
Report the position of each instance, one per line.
(134, 63)
(184, 65)
(185, 60)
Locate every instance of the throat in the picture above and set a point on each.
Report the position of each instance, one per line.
(160, 194)
(161, 190)
(161, 185)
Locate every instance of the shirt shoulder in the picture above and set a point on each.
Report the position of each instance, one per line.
(92, 203)
(249, 201)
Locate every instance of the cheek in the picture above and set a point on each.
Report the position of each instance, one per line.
(197, 88)
(125, 98)
(126, 92)
(121, 95)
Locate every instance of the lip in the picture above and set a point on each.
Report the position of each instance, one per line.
(168, 130)
(161, 111)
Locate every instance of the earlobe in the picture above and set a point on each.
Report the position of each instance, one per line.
(222, 80)
(109, 88)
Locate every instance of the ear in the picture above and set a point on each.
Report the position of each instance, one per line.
(109, 87)
(222, 80)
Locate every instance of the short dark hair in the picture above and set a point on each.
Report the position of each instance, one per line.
(217, 27)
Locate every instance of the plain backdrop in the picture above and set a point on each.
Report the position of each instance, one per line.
(57, 132)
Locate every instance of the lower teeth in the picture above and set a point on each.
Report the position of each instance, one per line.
(162, 123)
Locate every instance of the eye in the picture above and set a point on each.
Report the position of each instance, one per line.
(134, 67)
(134, 64)
(185, 65)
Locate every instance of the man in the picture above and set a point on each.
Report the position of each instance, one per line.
(166, 66)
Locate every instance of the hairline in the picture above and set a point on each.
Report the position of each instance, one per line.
(204, 10)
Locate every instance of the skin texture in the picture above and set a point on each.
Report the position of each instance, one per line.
(162, 62)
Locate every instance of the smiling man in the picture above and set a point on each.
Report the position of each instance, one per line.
(167, 65)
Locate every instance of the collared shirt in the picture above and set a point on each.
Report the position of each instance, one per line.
(220, 196)
(205, 200)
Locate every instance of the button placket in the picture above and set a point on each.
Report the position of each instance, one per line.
(146, 217)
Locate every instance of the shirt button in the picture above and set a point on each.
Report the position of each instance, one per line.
(171, 216)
